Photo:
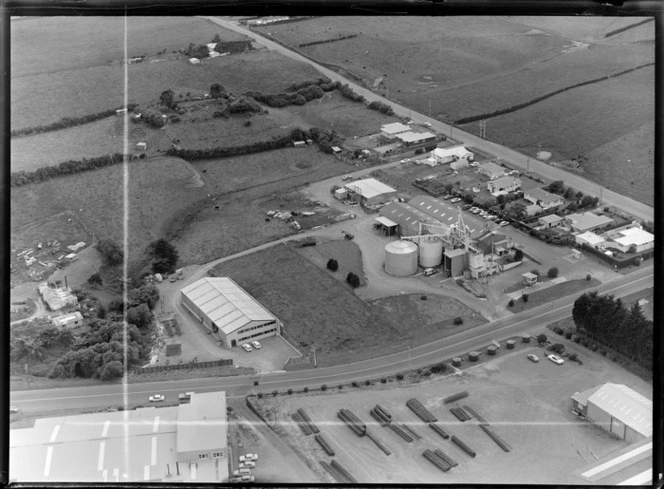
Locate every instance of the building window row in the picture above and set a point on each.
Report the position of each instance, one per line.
(217, 454)
(256, 327)
(257, 334)
(203, 456)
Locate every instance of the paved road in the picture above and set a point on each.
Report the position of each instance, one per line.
(529, 321)
(638, 209)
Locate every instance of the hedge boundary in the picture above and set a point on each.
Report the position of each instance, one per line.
(626, 28)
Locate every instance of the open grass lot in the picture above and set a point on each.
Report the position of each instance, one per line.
(577, 28)
(96, 88)
(626, 164)
(96, 199)
(550, 294)
(316, 309)
(528, 405)
(602, 112)
(346, 252)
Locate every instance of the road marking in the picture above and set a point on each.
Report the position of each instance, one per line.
(100, 460)
(146, 473)
(617, 460)
(104, 432)
(47, 463)
(54, 434)
(644, 477)
(153, 456)
(155, 426)
(105, 475)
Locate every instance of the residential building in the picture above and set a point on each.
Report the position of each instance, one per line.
(544, 199)
(587, 221)
(550, 221)
(532, 209)
(412, 138)
(616, 409)
(491, 170)
(503, 185)
(390, 131)
(591, 239)
(370, 191)
(229, 312)
(637, 237)
(185, 443)
(448, 155)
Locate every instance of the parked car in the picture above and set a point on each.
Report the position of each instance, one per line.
(248, 457)
(241, 472)
(465, 207)
(455, 200)
(533, 358)
(448, 197)
(555, 359)
(426, 124)
(429, 271)
(256, 345)
(503, 223)
(172, 278)
(248, 478)
(156, 398)
(247, 347)
(248, 465)
(186, 396)
(346, 177)
(491, 217)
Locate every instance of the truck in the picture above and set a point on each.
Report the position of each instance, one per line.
(186, 396)
(179, 273)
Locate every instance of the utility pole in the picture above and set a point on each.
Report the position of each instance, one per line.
(315, 364)
(528, 164)
(387, 87)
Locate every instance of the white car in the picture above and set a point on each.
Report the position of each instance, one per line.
(476, 211)
(13, 409)
(503, 223)
(346, 177)
(533, 358)
(426, 124)
(248, 465)
(555, 359)
(248, 457)
(455, 200)
(256, 345)
(241, 472)
(247, 347)
(156, 398)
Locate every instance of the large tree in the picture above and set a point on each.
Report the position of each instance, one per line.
(112, 253)
(165, 256)
(167, 98)
(217, 90)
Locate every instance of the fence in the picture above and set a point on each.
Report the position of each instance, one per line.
(191, 365)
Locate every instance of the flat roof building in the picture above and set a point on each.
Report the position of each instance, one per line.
(591, 239)
(411, 138)
(390, 131)
(228, 311)
(186, 443)
(542, 198)
(370, 191)
(636, 236)
(491, 170)
(587, 221)
(550, 221)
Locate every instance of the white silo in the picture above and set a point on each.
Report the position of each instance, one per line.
(431, 252)
(401, 258)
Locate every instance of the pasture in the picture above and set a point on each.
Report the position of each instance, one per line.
(576, 28)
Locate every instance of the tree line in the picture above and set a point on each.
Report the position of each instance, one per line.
(67, 122)
(520, 106)
(325, 41)
(69, 167)
(606, 319)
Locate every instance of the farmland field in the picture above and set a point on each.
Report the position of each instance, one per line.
(528, 405)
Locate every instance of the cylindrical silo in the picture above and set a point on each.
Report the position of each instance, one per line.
(431, 252)
(401, 258)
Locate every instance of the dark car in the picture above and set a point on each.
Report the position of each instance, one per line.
(466, 206)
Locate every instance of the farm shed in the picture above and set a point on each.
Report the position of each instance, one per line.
(447, 155)
(587, 221)
(432, 207)
(550, 221)
(636, 236)
(340, 194)
(73, 319)
(543, 198)
(387, 226)
(616, 409)
(336, 149)
(412, 138)
(56, 299)
(503, 185)
(229, 311)
(491, 170)
(591, 239)
(390, 131)
(370, 191)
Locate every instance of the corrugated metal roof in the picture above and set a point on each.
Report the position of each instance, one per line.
(626, 405)
(491, 167)
(459, 151)
(226, 304)
(588, 220)
(370, 188)
(407, 214)
(394, 128)
(411, 136)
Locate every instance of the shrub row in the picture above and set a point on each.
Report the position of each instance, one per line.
(520, 106)
(66, 122)
(627, 27)
(381, 107)
(325, 41)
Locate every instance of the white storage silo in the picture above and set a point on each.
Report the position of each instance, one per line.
(431, 252)
(401, 258)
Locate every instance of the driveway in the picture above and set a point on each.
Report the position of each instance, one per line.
(638, 209)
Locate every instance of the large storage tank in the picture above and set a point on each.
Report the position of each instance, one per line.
(401, 258)
(431, 252)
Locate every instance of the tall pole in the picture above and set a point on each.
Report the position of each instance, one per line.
(387, 87)
(315, 364)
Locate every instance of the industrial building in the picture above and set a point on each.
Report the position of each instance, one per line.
(186, 444)
(542, 198)
(491, 170)
(370, 191)
(401, 258)
(587, 221)
(407, 217)
(229, 312)
(616, 409)
(390, 131)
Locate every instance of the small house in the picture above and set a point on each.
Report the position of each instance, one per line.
(550, 221)
(71, 256)
(336, 149)
(591, 239)
(390, 131)
(529, 278)
(503, 185)
(491, 170)
(73, 319)
(142, 146)
(448, 155)
(544, 199)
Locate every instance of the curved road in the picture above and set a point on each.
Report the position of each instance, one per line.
(101, 396)
(609, 197)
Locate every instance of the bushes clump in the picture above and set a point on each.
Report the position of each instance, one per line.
(381, 107)
(353, 280)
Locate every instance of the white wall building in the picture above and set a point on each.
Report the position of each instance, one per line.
(370, 191)
(448, 155)
(503, 185)
(390, 131)
(636, 236)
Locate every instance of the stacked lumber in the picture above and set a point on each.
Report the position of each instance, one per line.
(379, 444)
(410, 431)
(463, 446)
(475, 415)
(439, 430)
(353, 422)
(460, 414)
(423, 413)
(336, 465)
(455, 397)
(340, 474)
(401, 432)
(322, 441)
(301, 424)
(307, 420)
(436, 460)
(499, 441)
(446, 457)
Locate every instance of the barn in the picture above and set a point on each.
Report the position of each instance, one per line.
(229, 312)
(616, 409)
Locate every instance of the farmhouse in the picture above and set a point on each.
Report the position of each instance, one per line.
(413, 138)
(636, 236)
(543, 198)
(587, 221)
(491, 170)
(448, 155)
(57, 298)
(550, 221)
(503, 185)
(74, 319)
(185, 443)
(390, 131)
(591, 239)
(370, 191)
(229, 311)
(616, 409)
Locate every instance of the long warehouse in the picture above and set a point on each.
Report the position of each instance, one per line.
(227, 310)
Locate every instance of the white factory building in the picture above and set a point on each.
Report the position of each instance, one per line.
(370, 191)
(229, 312)
(185, 443)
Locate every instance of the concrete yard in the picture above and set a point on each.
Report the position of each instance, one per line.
(527, 404)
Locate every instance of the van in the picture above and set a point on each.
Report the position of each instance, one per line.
(429, 271)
